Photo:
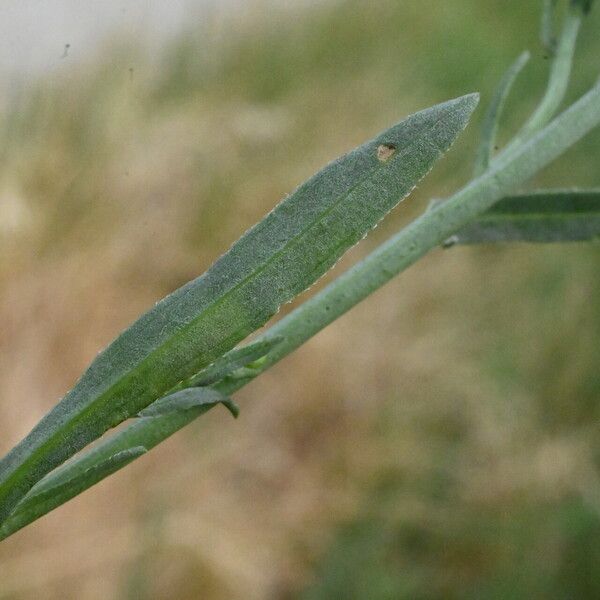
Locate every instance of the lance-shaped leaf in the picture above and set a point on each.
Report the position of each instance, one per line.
(283, 255)
(232, 361)
(543, 217)
(187, 399)
(492, 117)
(44, 498)
(156, 422)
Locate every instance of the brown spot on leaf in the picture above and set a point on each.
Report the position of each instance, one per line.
(385, 152)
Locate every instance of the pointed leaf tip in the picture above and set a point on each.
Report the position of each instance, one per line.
(232, 361)
(469, 102)
(188, 399)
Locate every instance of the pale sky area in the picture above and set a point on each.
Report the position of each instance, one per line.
(34, 33)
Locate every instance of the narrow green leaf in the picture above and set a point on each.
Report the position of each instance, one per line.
(543, 217)
(560, 73)
(232, 361)
(119, 450)
(44, 498)
(145, 432)
(547, 26)
(189, 398)
(283, 255)
(494, 113)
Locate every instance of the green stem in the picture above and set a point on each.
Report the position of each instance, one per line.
(433, 227)
(558, 81)
(559, 75)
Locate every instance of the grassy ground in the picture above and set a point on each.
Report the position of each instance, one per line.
(440, 441)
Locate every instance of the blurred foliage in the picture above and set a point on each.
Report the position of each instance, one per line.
(480, 555)
(441, 442)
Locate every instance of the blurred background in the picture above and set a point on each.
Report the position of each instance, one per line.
(440, 441)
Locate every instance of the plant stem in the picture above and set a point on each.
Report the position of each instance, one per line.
(560, 73)
(433, 227)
